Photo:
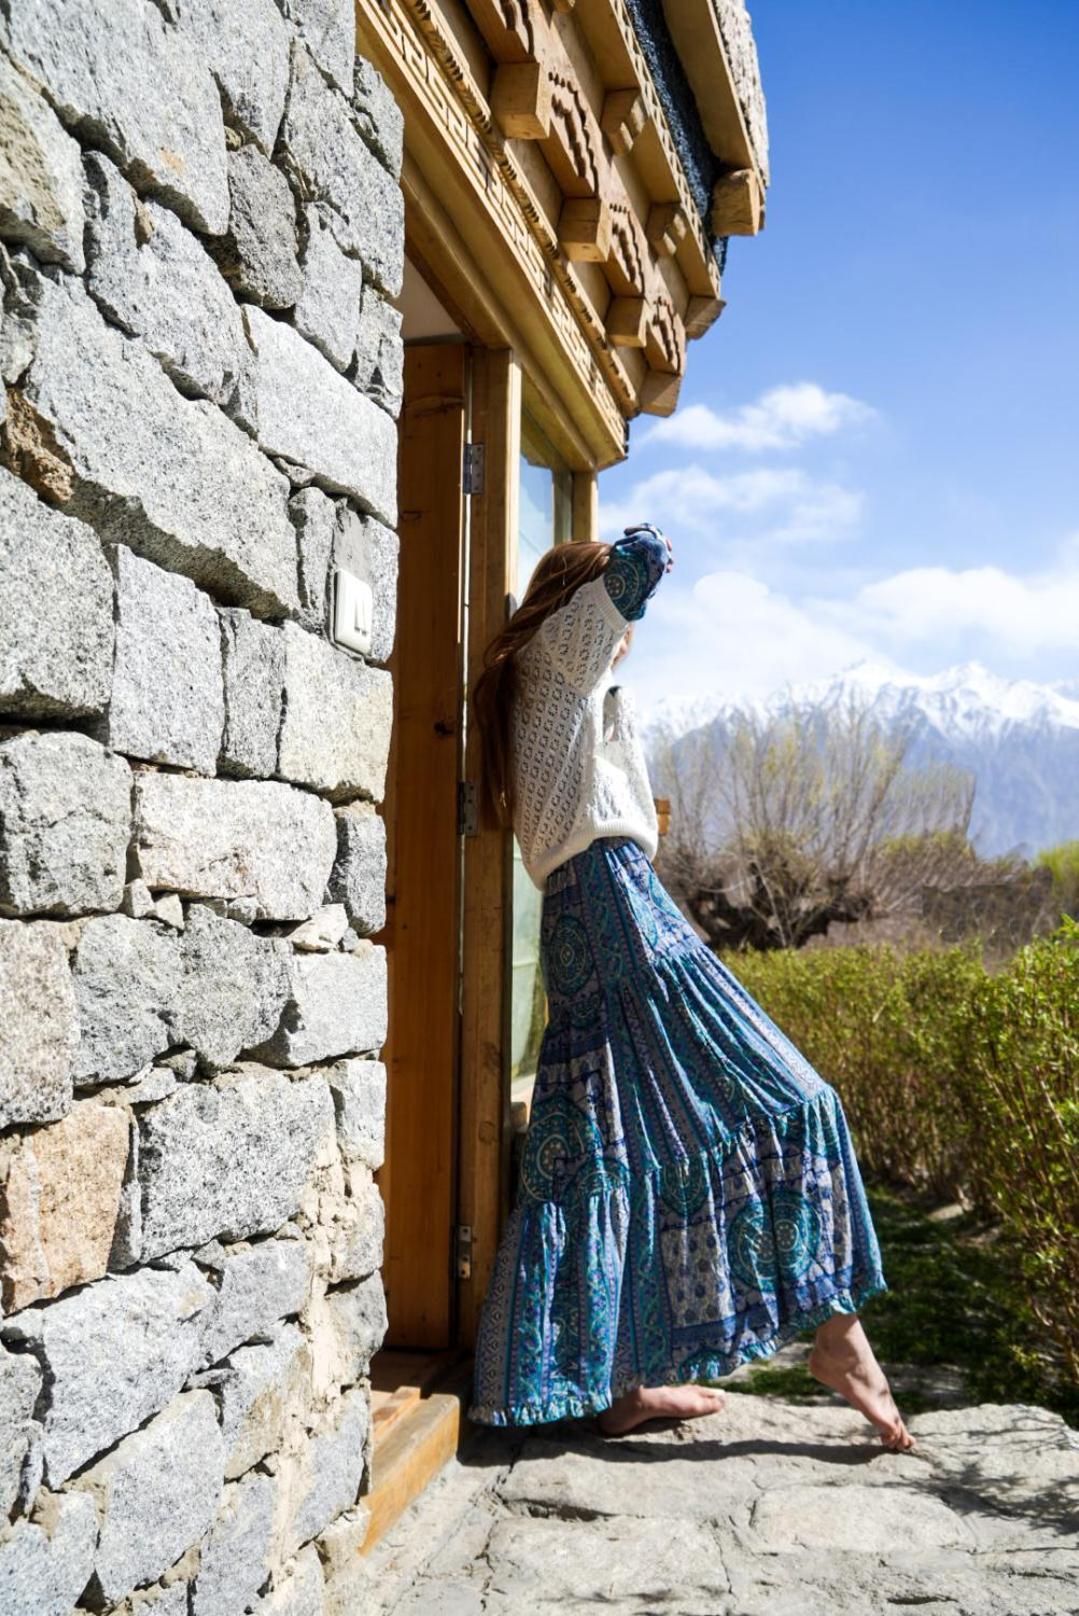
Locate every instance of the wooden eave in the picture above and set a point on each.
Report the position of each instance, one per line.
(694, 28)
(557, 225)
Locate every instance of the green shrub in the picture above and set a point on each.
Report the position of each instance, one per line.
(956, 1081)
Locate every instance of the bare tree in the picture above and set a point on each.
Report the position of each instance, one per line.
(784, 824)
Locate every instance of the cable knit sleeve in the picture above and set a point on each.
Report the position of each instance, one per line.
(581, 637)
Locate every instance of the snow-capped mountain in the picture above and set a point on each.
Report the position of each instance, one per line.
(1019, 739)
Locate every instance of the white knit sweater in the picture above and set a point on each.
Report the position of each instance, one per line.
(579, 769)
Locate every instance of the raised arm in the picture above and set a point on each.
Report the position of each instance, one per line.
(581, 637)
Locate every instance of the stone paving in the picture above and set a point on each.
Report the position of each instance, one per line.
(769, 1509)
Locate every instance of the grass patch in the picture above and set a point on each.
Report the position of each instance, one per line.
(953, 1300)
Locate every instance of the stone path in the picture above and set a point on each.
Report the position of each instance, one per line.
(770, 1509)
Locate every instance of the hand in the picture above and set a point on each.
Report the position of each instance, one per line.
(650, 527)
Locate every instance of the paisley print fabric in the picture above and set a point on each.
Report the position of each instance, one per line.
(689, 1198)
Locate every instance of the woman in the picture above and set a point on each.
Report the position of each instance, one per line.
(689, 1197)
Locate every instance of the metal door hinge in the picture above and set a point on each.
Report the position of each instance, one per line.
(468, 808)
(474, 468)
(462, 1250)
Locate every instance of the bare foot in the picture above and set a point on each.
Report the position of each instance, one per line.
(659, 1403)
(843, 1360)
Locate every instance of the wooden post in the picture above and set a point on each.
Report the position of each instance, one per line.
(488, 872)
(585, 505)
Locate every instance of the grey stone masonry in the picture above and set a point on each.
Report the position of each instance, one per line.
(338, 711)
(127, 975)
(316, 519)
(328, 310)
(229, 1159)
(40, 175)
(156, 281)
(113, 1353)
(236, 1557)
(56, 627)
(328, 29)
(45, 1562)
(336, 1006)
(257, 1287)
(232, 989)
(359, 872)
(257, 254)
(332, 1468)
(310, 415)
(20, 1384)
(102, 65)
(157, 1493)
(331, 164)
(164, 474)
(235, 839)
(39, 1030)
(195, 428)
(253, 661)
(245, 43)
(65, 823)
(259, 1390)
(359, 1096)
(167, 702)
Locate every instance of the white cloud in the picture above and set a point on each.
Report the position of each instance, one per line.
(1016, 613)
(782, 418)
(729, 633)
(779, 504)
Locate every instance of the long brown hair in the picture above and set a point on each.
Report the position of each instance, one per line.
(558, 575)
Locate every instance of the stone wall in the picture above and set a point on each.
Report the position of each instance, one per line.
(201, 226)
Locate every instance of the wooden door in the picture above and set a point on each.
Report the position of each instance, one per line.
(423, 852)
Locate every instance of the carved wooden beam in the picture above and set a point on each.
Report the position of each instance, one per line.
(584, 230)
(572, 152)
(664, 338)
(627, 320)
(624, 116)
(701, 314)
(666, 228)
(563, 5)
(625, 263)
(659, 393)
(521, 100)
(509, 27)
(738, 204)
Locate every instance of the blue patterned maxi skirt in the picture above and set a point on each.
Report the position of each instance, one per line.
(689, 1197)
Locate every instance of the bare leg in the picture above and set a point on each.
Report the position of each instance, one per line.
(843, 1360)
(659, 1403)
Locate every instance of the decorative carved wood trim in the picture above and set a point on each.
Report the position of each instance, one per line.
(738, 204)
(623, 118)
(664, 339)
(653, 105)
(626, 260)
(437, 76)
(508, 27)
(659, 393)
(627, 319)
(666, 227)
(521, 100)
(701, 314)
(571, 151)
(584, 230)
(563, 5)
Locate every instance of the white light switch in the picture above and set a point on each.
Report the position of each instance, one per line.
(352, 611)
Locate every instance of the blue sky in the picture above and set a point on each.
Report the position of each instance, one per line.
(876, 451)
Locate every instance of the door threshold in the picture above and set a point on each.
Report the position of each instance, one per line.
(418, 1404)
